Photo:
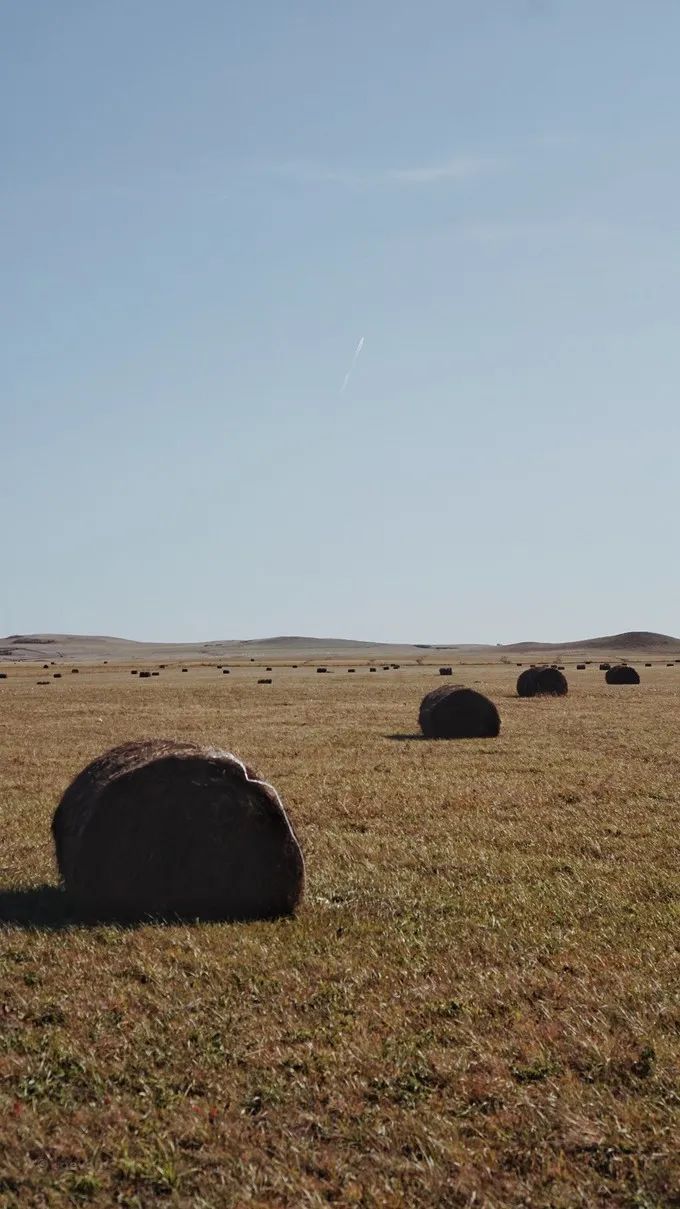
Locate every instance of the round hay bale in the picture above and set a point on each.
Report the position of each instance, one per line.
(372, 669)
(225, 671)
(455, 712)
(172, 829)
(320, 670)
(155, 673)
(542, 681)
(42, 682)
(144, 675)
(670, 665)
(648, 665)
(3, 675)
(264, 681)
(621, 673)
(75, 671)
(56, 675)
(604, 667)
(386, 667)
(446, 671)
(45, 665)
(580, 667)
(351, 669)
(267, 669)
(185, 669)
(134, 672)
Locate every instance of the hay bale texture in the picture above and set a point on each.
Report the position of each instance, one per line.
(455, 712)
(172, 829)
(621, 673)
(542, 681)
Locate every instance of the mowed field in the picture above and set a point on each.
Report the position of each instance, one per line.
(478, 1004)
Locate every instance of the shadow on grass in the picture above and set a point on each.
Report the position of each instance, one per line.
(49, 909)
(406, 738)
(43, 908)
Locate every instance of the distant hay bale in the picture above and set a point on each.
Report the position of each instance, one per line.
(396, 666)
(580, 667)
(56, 675)
(172, 829)
(518, 665)
(372, 669)
(622, 673)
(75, 671)
(455, 712)
(45, 665)
(604, 667)
(670, 665)
(446, 671)
(134, 672)
(560, 667)
(155, 673)
(386, 667)
(225, 671)
(648, 665)
(42, 682)
(185, 669)
(263, 681)
(267, 669)
(3, 675)
(162, 666)
(351, 669)
(542, 682)
(144, 675)
(320, 670)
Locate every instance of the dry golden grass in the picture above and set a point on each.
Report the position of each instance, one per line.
(478, 1005)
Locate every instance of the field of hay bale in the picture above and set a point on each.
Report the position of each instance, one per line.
(478, 1002)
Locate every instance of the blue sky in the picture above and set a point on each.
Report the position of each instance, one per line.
(204, 207)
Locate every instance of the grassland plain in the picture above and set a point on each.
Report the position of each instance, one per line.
(479, 1003)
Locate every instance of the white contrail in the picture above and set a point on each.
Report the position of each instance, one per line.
(353, 362)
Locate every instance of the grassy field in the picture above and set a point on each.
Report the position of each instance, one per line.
(479, 1003)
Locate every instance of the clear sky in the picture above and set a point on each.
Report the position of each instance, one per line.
(205, 205)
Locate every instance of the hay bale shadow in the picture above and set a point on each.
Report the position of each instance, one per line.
(48, 908)
(406, 738)
(41, 908)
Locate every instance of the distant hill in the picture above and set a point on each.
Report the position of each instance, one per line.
(632, 640)
(86, 648)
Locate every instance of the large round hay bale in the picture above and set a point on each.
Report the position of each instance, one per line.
(166, 829)
(75, 671)
(3, 675)
(455, 712)
(621, 673)
(580, 667)
(321, 670)
(446, 671)
(648, 665)
(542, 681)
(144, 675)
(265, 680)
(604, 667)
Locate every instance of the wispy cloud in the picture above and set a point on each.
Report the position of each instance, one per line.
(456, 169)
(353, 362)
